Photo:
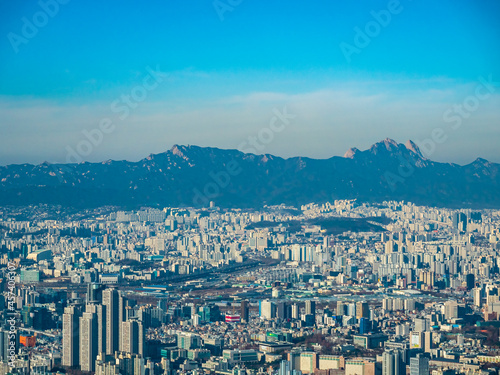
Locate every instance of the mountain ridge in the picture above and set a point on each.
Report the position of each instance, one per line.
(188, 175)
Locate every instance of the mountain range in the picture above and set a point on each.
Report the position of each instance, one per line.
(193, 176)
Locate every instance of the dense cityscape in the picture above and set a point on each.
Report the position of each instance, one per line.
(328, 289)
(231, 187)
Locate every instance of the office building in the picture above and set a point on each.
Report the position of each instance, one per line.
(245, 311)
(286, 368)
(362, 310)
(94, 293)
(5, 343)
(392, 363)
(310, 307)
(422, 325)
(267, 309)
(341, 307)
(295, 311)
(470, 281)
(451, 309)
(419, 365)
(188, 341)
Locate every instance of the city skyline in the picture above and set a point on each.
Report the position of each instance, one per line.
(236, 187)
(178, 291)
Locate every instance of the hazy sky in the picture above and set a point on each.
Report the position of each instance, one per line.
(214, 73)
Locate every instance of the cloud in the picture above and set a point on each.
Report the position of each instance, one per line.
(328, 121)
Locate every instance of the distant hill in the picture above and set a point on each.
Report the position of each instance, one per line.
(193, 176)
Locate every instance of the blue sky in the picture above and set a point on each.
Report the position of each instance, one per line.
(222, 75)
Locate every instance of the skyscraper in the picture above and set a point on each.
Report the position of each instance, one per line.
(364, 325)
(362, 310)
(451, 309)
(392, 363)
(133, 337)
(422, 325)
(419, 365)
(294, 359)
(310, 307)
(88, 341)
(471, 281)
(5, 344)
(286, 368)
(163, 304)
(94, 293)
(245, 311)
(122, 314)
(281, 310)
(459, 221)
(71, 336)
(340, 308)
(100, 311)
(188, 341)
(478, 297)
(110, 299)
(428, 343)
(267, 309)
(351, 309)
